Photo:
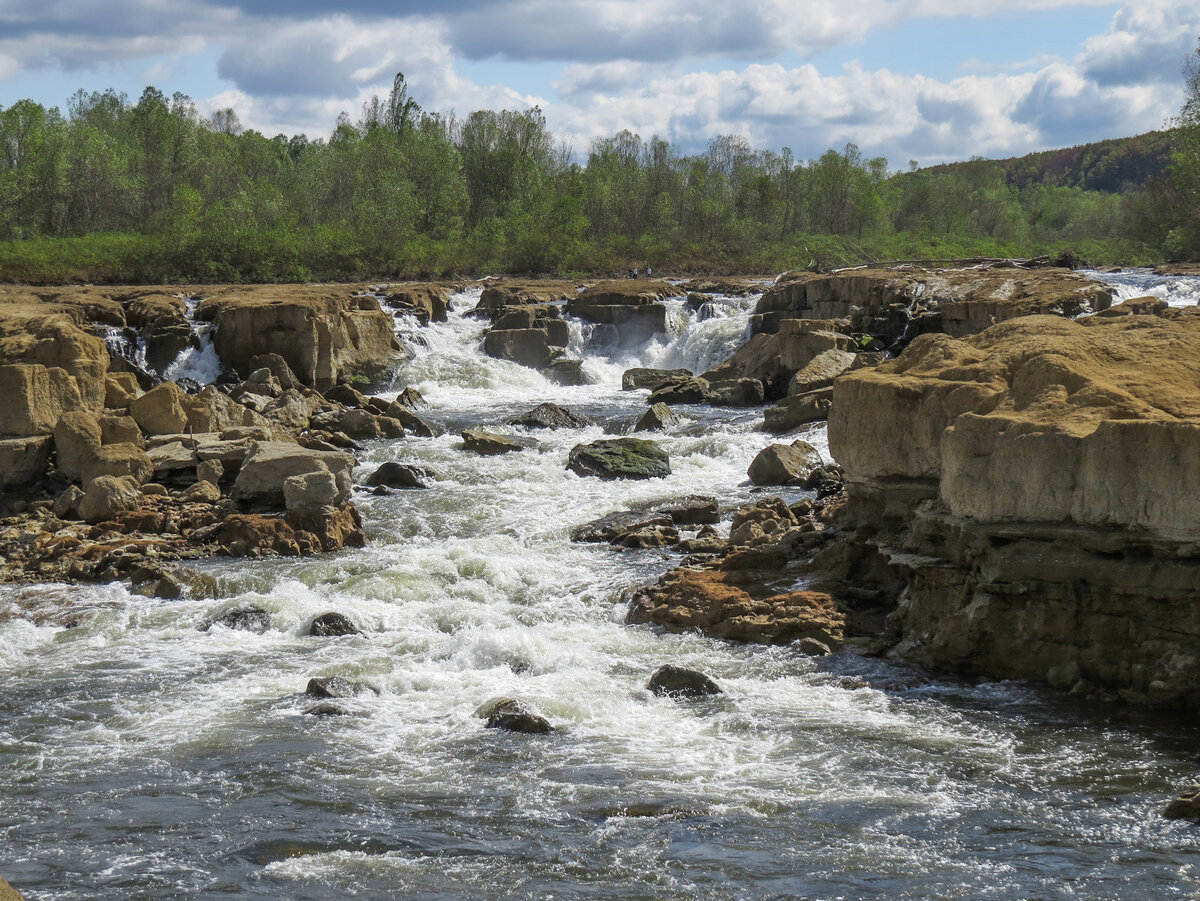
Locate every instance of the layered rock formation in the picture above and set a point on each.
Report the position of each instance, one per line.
(1034, 488)
(633, 307)
(907, 301)
(326, 334)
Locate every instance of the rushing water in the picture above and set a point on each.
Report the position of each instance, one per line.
(143, 758)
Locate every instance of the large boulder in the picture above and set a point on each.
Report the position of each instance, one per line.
(426, 301)
(620, 458)
(270, 464)
(797, 410)
(641, 377)
(24, 461)
(117, 460)
(499, 296)
(38, 397)
(106, 496)
(657, 419)
(780, 464)
(77, 438)
(161, 410)
(632, 306)
(820, 371)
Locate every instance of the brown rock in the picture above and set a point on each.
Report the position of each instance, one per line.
(779, 464)
(658, 418)
(160, 411)
(108, 495)
(706, 601)
(77, 438)
(120, 430)
(24, 461)
(37, 397)
(118, 460)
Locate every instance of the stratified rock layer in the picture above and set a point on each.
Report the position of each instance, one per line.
(1038, 485)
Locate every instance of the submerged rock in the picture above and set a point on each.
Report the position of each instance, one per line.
(1186, 806)
(620, 458)
(333, 624)
(528, 723)
(401, 475)
(679, 682)
(245, 617)
(335, 687)
(551, 416)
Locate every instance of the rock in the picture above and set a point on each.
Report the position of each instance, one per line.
(108, 495)
(120, 430)
(497, 298)
(331, 625)
(611, 527)
(481, 441)
(359, 424)
(255, 535)
(736, 393)
(692, 509)
(709, 601)
(118, 460)
(678, 682)
(821, 371)
(619, 458)
(120, 390)
(762, 522)
(1186, 806)
(335, 687)
(77, 437)
(291, 411)
(210, 471)
(780, 464)
(813, 648)
(279, 368)
(565, 371)
(310, 493)
(688, 391)
(326, 709)
(649, 536)
(347, 395)
(333, 527)
(632, 306)
(426, 301)
(658, 418)
(66, 505)
(323, 333)
(527, 723)
(1001, 496)
(633, 379)
(411, 398)
(37, 399)
(824, 480)
(551, 416)
(8, 893)
(160, 411)
(401, 475)
(793, 412)
(271, 463)
(244, 617)
(411, 422)
(203, 492)
(24, 461)
(532, 347)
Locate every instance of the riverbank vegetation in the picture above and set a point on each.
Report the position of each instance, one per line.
(150, 191)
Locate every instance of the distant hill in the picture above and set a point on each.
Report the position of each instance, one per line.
(1115, 166)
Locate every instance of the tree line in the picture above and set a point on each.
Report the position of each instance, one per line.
(148, 191)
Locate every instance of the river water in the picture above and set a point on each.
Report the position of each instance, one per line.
(143, 758)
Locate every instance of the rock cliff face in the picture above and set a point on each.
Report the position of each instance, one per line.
(323, 333)
(1036, 487)
(905, 302)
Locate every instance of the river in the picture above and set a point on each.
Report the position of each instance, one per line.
(144, 758)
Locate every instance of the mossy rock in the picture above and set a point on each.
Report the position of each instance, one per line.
(620, 458)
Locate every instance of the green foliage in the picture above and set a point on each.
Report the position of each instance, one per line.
(151, 191)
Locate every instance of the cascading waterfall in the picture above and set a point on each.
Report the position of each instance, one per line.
(199, 363)
(142, 757)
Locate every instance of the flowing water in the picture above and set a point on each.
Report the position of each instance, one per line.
(143, 758)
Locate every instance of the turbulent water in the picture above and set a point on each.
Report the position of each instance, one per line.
(143, 758)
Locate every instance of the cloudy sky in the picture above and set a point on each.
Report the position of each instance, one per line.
(929, 80)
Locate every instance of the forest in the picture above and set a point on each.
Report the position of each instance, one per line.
(152, 191)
